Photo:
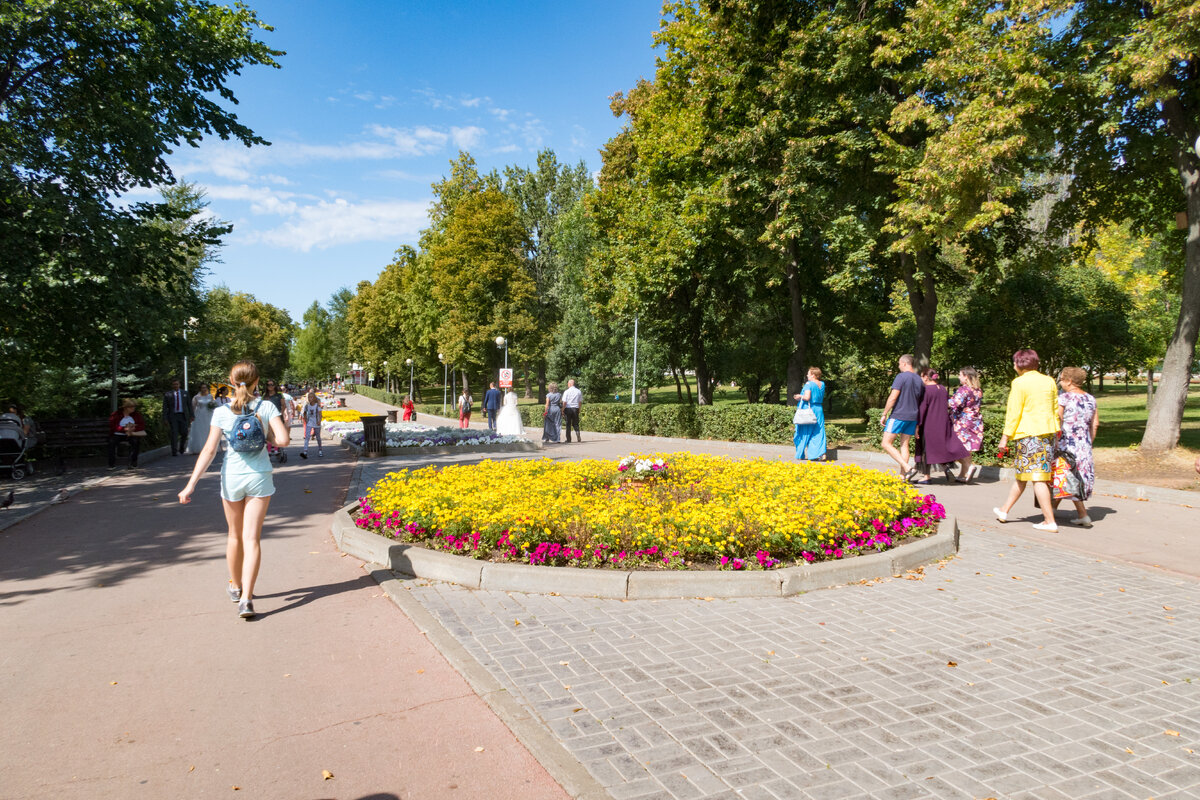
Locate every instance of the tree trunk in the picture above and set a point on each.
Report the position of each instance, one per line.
(703, 383)
(113, 389)
(1166, 414)
(528, 382)
(542, 382)
(922, 297)
(1149, 390)
(678, 385)
(797, 365)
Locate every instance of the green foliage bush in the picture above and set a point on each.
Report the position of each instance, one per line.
(756, 422)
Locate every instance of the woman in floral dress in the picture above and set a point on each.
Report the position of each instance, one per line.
(1080, 418)
(966, 410)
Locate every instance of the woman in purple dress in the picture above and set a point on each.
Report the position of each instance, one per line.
(940, 444)
(1079, 418)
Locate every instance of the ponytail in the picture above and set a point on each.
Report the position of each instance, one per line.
(244, 377)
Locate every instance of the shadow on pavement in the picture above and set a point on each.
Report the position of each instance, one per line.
(134, 522)
(295, 598)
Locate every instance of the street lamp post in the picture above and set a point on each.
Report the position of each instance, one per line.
(501, 342)
(633, 389)
(387, 377)
(442, 358)
(410, 378)
(191, 323)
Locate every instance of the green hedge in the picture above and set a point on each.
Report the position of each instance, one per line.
(760, 423)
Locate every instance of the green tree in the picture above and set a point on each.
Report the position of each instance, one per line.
(92, 96)
(1127, 117)
(311, 359)
(234, 326)
(542, 197)
(478, 280)
(339, 328)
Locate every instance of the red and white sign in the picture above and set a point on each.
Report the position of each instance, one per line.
(506, 378)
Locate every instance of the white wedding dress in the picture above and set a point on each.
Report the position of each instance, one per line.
(198, 432)
(508, 421)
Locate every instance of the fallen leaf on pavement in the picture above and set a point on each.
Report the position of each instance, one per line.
(112, 683)
(192, 768)
(478, 749)
(951, 663)
(564, 663)
(420, 671)
(1171, 733)
(326, 774)
(516, 622)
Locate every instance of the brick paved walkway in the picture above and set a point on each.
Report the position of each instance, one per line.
(1067, 675)
(1069, 671)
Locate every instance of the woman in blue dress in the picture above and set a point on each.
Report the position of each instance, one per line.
(810, 439)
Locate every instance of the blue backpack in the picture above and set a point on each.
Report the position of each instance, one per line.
(247, 435)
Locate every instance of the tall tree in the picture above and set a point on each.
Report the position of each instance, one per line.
(542, 197)
(311, 358)
(92, 96)
(1128, 116)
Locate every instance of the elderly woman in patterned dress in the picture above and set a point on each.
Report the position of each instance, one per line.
(1031, 423)
(1079, 419)
(966, 409)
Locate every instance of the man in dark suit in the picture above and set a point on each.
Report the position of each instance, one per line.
(177, 411)
(491, 404)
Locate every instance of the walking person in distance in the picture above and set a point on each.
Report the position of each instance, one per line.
(572, 402)
(177, 411)
(899, 417)
(491, 404)
(247, 424)
(1031, 424)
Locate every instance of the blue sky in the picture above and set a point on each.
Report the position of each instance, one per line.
(372, 102)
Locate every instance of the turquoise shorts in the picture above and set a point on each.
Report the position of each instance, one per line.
(249, 484)
(907, 427)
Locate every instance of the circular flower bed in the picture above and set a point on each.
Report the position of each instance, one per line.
(676, 510)
(343, 415)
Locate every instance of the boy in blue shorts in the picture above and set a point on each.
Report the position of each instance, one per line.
(899, 418)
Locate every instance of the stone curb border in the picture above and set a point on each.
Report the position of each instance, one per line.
(635, 584)
(529, 729)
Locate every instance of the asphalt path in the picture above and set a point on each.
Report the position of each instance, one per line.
(127, 672)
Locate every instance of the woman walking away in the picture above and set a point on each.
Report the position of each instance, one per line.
(552, 416)
(464, 410)
(1031, 423)
(941, 445)
(1078, 418)
(312, 421)
(809, 437)
(247, 424)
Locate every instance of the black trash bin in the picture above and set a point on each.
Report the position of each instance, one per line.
(391, 415)
(374, 441)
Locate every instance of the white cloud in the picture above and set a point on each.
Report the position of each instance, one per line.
(327, 223)
(468, 137)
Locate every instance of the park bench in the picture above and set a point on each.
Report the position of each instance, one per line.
(77, 437)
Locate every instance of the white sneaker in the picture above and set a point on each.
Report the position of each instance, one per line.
(1048, 527)
(1000, 515)
(1083, 522)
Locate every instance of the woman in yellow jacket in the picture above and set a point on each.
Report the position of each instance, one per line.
(1031, 424)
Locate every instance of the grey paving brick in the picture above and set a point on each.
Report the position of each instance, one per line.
(754, 697)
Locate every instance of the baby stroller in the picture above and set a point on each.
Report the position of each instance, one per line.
(14, 444)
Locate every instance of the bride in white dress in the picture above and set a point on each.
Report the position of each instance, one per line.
(508, 421)
(201, 419)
